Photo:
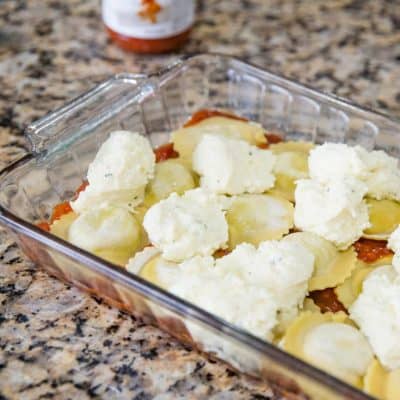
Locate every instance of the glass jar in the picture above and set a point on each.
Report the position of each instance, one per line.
(148, 26)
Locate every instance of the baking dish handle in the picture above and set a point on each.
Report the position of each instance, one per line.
(73, 119)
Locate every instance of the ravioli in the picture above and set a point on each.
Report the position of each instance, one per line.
(289, 167)
(331, 266)
(348, 291)
(331, 342)
(283, 147)
(384, 216)
(291, 164)
(60, 227)
(186, 139)
(115, 256)
(309, 305)
(381, 383)
(112, 233)
(139, 213)
(149, 270)
(147, 264)
(169, 176)
(254, 218)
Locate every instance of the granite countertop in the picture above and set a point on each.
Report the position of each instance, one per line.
(55, 341)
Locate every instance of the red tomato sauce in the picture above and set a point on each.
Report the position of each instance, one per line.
(369, 250)
(272, 138)
(205, 113)
(44, 226)
(165, 152)
(221, 253)
(327, 300)
(81, 188)
(60, 210)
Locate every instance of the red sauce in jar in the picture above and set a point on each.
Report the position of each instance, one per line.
(369, 250)
(150, 46)
(165, 152)
(206, 113)
(146, 26)
(327, 300)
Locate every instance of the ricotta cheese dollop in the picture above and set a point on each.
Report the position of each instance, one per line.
(225, 293)
(119, 173)
(383, 179)
(378, 170)
(377, 313)
(188, 225)
(233, 166)
(334, 210)
(258, 284)
(335, 161)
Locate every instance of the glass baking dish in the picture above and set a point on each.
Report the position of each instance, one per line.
(66, 141)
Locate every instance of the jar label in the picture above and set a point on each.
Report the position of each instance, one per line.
(146, 19)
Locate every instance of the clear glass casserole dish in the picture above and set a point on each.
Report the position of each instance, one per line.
(66, 141)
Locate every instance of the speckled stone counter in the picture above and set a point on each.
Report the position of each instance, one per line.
(56, 342)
